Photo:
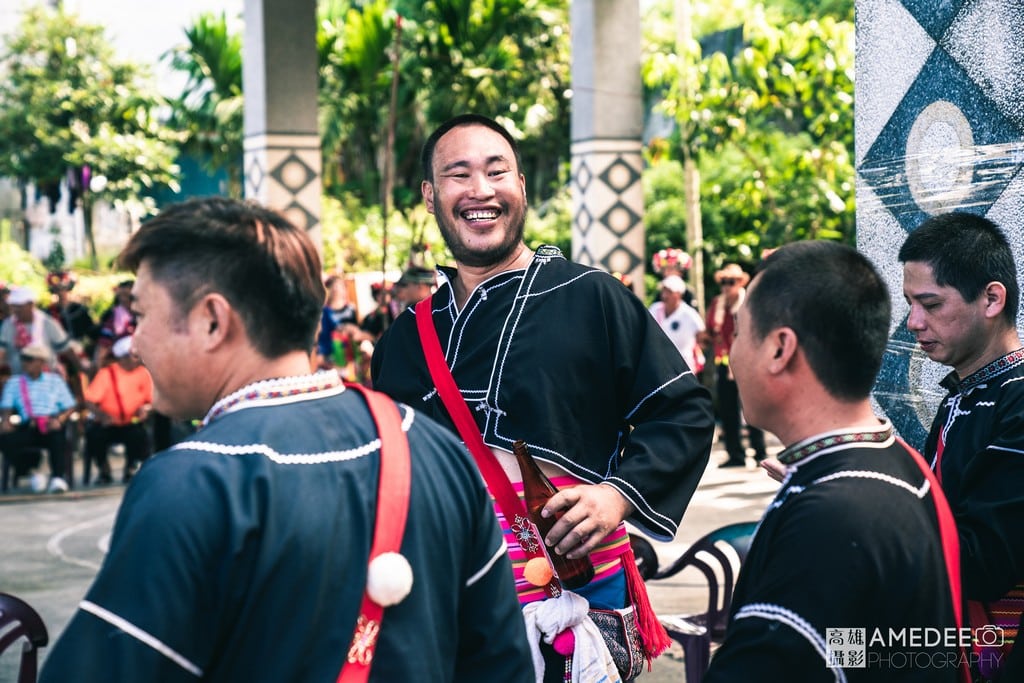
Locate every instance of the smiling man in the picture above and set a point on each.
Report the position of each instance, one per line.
(559, 355)
(960, 281)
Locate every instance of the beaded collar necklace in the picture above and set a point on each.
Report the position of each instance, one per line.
(277, 387)
(954, 384)
(817, 444)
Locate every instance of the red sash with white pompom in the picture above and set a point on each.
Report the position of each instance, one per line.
(389, 576)
(652, 634)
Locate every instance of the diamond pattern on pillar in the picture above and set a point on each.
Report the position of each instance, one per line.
(293, 173)
(300, 216)
(619, 218)
(934, 17)
(608, 204)
(974, 41)
(584, 256)
(583, 221)
(583, 176)
(619, 175)
(254, 176)
(934, 152)
(621, 260)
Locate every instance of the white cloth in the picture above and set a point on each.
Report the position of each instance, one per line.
(682, 326)
(591, 661)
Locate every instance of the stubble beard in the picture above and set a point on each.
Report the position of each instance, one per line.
(481, 258)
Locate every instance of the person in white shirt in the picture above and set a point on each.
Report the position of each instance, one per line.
(680, 321)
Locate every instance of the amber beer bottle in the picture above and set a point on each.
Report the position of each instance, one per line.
(537, 490)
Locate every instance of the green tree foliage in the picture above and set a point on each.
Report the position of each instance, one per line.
(770, 123)
(505, 58)
(508, 59)
(17, 266)
(771, 127)
(210, 109)
(67, 104)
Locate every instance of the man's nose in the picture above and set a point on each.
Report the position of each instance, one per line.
(915, 319)
(480, 185)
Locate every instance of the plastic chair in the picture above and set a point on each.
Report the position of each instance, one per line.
(17, 620)
(645, 555)
(696, 632)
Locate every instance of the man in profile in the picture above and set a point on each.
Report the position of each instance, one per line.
(241, 553)
(415, 284)
(852, 540)
(960, 281)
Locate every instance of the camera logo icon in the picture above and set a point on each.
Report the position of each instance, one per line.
(989, 636)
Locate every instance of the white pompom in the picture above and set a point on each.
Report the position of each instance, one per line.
(389, 579)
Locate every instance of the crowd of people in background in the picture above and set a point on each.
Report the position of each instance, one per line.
(58, 347)
(804, 359)
(70, 386)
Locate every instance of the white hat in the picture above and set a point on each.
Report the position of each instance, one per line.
(122, 347)
(20, 296)
(673, 283)
(37, 351)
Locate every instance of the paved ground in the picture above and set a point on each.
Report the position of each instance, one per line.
(54, 544)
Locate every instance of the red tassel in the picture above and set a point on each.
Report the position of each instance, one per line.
(652, 634)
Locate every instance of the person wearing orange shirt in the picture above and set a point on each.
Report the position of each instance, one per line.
(120, 398)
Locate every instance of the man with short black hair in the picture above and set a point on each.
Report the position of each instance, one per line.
(243, 552)
(960, 281)
(565, 358)
(852, 541)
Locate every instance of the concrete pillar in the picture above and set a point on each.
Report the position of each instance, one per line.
(607, 123)
(939, 125)
(282, 140)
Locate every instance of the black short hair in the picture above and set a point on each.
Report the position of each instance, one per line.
(966, 252)
(427, 154)
(267, 268)
(835, 301)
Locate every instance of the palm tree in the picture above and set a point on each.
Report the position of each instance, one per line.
(210, 107)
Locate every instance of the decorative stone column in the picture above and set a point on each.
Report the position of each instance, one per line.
(939, 125)
(280, 81)
(607, 124)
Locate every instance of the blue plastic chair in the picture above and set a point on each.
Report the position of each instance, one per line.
(696, 632)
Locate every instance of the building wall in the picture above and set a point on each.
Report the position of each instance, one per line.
(939, 126)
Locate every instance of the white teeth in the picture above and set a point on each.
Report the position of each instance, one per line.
(487, 215)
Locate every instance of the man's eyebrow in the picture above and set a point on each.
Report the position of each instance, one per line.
(924, 295)
(454, 165)
(462, 163)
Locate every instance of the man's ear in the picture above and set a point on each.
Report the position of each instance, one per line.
(427, 190)
(782, 345)
(213, 318)
(995, 299)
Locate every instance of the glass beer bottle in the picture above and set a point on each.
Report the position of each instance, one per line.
(537, 490)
